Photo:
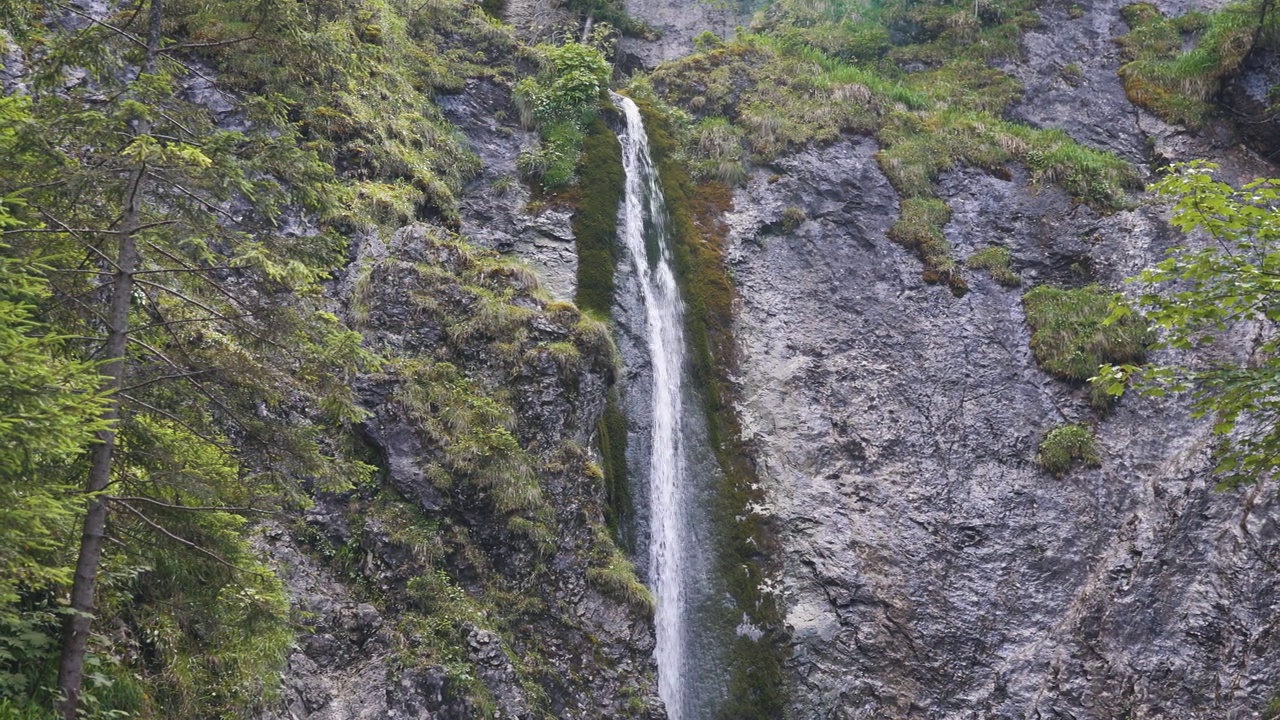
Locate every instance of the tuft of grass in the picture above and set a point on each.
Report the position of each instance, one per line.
(615, 576)
(1273, 709)
(1071, 334)
(718, 152)
(996, 260)
(1180, 85)
(1071, 74)
(793, 217)
(920, 228)
(1065, 447)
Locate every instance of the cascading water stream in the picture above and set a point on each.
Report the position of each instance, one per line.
(644, 235)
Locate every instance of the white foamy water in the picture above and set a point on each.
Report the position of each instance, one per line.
(644, 235)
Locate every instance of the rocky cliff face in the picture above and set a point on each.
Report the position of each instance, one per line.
(676, 23)
(476, 578)
(931, 569)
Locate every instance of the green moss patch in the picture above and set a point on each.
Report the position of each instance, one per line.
(1071, 335)
(758, 688)
(595, 222)
(997, 261)
(1065, 447)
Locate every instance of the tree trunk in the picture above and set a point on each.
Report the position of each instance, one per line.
(75, 632)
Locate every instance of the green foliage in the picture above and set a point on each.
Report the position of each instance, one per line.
(920, 228)
(1066, 446)
(595, 224)
(213, 636)
(235, 382)
(614, 575)
(561, 102)
(1196, 294)
(757, 680)
(1071, 334)
(50, 408)
(613, 12)
(360, 77)
(995, 260)
(1179, 85)
(474, 433)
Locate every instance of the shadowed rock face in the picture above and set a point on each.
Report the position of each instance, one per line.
(1249, 98)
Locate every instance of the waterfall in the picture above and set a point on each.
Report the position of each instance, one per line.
(645, 238)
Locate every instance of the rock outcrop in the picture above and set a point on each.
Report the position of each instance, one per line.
(476, 575)
(676, 23)
(932, 570)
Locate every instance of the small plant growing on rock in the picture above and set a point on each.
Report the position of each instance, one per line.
(1066, 446)
(995, 260)
(560, 102)
(792, 218)
(1071, 74)
(503, 185)
(614, 575)
(1071, 337)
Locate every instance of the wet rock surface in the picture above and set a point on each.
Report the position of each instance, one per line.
(1069, 72)
(931, 569)
(1249, 98)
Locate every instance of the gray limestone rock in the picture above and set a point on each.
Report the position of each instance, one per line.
(678, 22)
(495, 206)
(930, 568)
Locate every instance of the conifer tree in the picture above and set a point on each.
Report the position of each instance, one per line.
(185, 252)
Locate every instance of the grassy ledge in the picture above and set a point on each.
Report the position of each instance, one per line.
(1180, 84)
(916, 77)
(1071, 338)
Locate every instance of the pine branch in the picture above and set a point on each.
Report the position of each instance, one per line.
(228, 451)
(182, 541)
(162, 378)
(194, 508)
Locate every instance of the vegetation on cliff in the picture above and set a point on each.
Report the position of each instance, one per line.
(1195, 295)
(1072, 333)
(1181, 84)
(916, 76)
(179, 182)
